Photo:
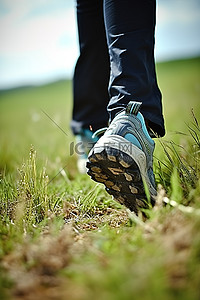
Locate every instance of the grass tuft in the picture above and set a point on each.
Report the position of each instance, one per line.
(33, 203)
(179, 169)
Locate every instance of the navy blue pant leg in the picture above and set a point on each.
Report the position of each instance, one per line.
(92, 70)
(130, 26)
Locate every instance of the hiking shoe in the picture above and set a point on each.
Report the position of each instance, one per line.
(84, 143)
(122, 160)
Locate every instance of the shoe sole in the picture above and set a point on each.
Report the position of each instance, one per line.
(121, 167)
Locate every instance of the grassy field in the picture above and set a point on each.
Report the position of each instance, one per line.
(63, 237)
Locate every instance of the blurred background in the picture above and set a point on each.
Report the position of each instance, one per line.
(38, 39)
(38, 52)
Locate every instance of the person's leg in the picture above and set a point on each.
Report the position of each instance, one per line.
(91, 76)
(130, 26)
(122, 159)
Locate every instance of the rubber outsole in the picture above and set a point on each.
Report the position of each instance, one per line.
(121, 176)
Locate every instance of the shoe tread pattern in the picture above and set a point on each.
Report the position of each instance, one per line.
(120, 175)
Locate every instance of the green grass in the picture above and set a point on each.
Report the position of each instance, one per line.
(63, 237)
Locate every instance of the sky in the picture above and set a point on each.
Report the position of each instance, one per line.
(39, 44)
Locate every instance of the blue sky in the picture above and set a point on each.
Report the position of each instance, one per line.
(38, 38)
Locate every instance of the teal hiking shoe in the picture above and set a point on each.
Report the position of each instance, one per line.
(84, 143)
(122, 160)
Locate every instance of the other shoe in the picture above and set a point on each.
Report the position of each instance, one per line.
(84, 143)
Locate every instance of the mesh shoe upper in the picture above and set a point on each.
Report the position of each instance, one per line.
(130, 124)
